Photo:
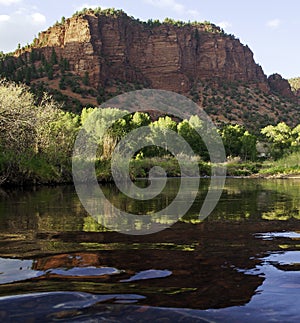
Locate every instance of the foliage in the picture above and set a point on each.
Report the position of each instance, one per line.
(32, 65)
(141, 168)
(243, 168)
(99, 123)
(189, 130)
(286, 165)
(37, 140)
(239, 142)
(283, 139)
(17, 118)
(99, 11)
(34, 138)
(153, 23)
(204, 26)
(295, 83)
(177, 23)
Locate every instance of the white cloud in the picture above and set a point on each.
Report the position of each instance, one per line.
(9, 2)
(193, 13)
(179, 8)
(30, 23)
(4, 18)
(172, 5)
(275, 23)
(38, 18)
(224, 24)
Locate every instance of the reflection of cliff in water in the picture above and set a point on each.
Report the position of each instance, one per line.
(202, 264)
(208, 264)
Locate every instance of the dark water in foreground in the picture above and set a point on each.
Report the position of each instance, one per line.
(241, 264)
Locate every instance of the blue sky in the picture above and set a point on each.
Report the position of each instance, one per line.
(271, 28)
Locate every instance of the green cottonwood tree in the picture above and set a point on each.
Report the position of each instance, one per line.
(159, 130)
(248, 148)
(188, 130)
(296, 137)
(281, 138)
(231, 135)
(238, 142)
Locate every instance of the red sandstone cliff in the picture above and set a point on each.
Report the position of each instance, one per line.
(109, 53)
(280, 85)
(165, 56)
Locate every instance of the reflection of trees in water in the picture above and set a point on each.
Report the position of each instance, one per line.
(287, 203)
(282, 211)
(59, 209)
(41, 209)
(208, 261)
(257, 200)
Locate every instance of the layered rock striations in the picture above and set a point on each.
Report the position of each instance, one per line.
(95, 55)
(162, 56)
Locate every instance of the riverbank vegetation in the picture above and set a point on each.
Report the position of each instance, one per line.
(37, 140)
(285, 166)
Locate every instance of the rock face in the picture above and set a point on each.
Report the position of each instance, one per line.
(280, 86)
(163, 56)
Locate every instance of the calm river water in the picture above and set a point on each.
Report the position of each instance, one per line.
(241, 264)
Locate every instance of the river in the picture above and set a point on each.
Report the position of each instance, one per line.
(240, 264)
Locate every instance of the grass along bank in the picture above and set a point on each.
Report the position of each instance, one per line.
(289, 165)
(140, 168)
